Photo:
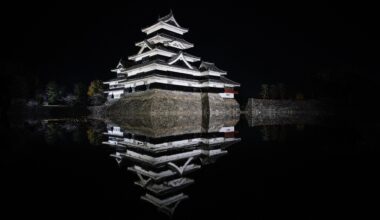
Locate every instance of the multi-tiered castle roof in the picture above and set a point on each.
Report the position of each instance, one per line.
(162, 63)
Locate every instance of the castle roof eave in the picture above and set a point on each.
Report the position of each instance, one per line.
(172, 38)
(114, 80)
(179, 56)
(226, 80)
(158, 50)
(160, 63)
(212, 72)
(118, 70)
(163, 25)
(208, 66)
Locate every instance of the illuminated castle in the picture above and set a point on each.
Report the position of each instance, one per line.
(162, 63)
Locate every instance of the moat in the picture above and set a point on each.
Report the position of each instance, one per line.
(189, 168)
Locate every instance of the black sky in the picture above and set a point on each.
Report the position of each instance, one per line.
(255, 42)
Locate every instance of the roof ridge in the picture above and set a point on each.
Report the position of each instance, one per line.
(176, 38)
(166, 17)
(210, 66)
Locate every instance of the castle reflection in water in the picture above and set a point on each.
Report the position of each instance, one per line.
(163, 154)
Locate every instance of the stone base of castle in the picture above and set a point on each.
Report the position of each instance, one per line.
(163, 102)
(163, 109)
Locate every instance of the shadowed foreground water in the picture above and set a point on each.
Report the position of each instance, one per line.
(262, 169)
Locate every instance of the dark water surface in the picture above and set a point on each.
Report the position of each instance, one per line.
(308, 171)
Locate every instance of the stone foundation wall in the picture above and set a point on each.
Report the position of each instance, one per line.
(163, 102)
(220, 106)
(156, 102)
(170, 109)
(275, 107)
(272, 112)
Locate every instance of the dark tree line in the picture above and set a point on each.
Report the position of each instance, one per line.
(274, 91)
(80, 95)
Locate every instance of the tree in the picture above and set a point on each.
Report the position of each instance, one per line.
(52, 93)
(70, 99)
(264, 91)
(96, 93)
(281, 90)
(95, 87)
(40, 97)
(273, 92)
(80, 94)
(94, 137)
(61, 93)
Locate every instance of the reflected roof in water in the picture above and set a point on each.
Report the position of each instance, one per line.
(163, 151)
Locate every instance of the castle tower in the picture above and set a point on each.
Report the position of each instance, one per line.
(162, 62)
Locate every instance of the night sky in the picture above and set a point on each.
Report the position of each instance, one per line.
(255, 43)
